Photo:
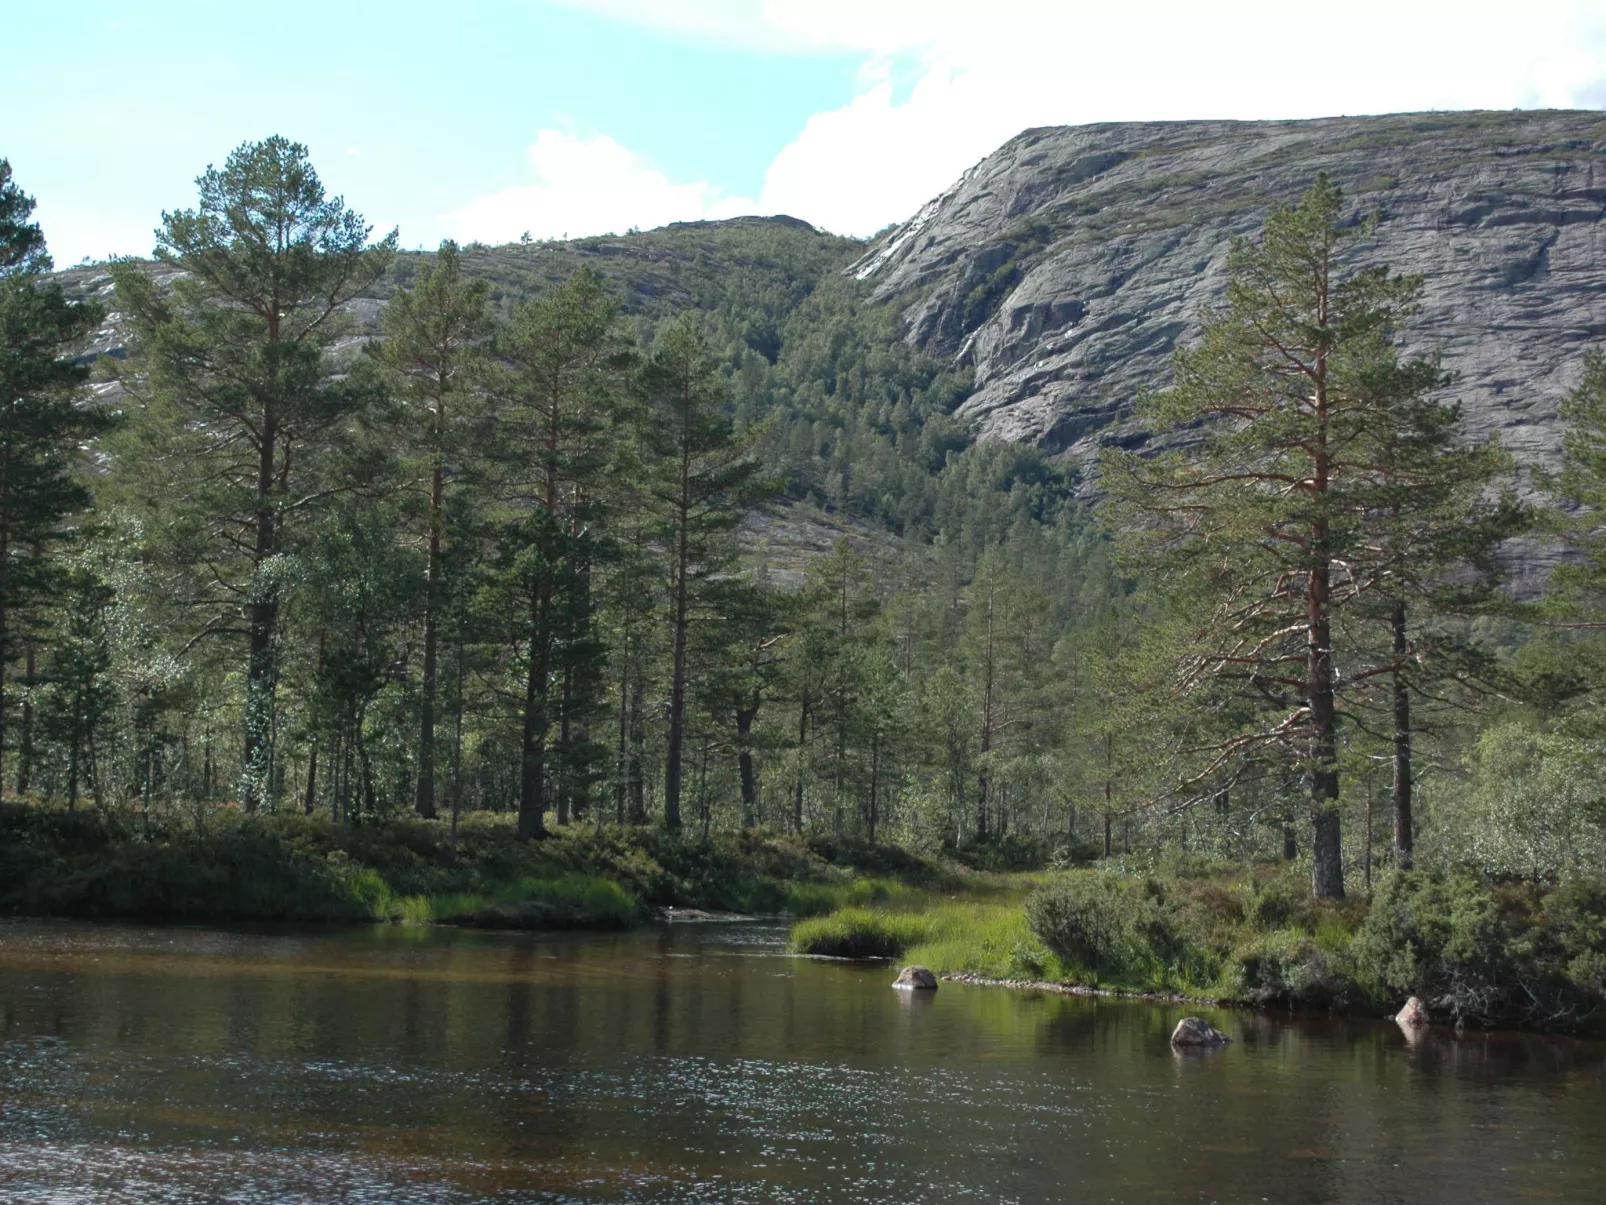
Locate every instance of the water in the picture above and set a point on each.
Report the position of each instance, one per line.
(698, 1062)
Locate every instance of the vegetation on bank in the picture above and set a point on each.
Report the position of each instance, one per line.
(231, 866)
(1506, 954)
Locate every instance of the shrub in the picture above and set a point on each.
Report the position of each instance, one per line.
(1101, 921)
(1289, 968)
(1445, 940)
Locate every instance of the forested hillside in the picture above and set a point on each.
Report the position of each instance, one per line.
(679, 529)
(267, 624)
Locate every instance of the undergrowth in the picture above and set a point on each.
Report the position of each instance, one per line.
(1474, 952)
(229, 866)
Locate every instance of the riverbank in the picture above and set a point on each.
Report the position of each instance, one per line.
(225, 866)
(1485, 954)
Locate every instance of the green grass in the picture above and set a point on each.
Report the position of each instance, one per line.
(572, 901)
(860, 933)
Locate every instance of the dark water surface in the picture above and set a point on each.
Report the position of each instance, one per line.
(698, 1062)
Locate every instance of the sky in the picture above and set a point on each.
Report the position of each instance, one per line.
(487, 119)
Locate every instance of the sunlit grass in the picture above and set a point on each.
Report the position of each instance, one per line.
(861, 933)
(572, 900)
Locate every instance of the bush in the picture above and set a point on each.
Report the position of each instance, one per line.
(1291, 969)
(1101, 921)
(860, 933)
(1448, 941)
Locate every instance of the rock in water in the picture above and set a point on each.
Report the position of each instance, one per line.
(1413, 1015)
(1191, 1031)
(916, 979)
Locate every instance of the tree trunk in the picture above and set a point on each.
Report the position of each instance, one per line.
(532, 745)
(1327, 854)
(424, 797)
(677, 681)
(256, 771)
(457, 739)
(986, 727)
(309, 800)
(5, 631)
(565, 752)
(72, 772)
(638, 742)
(744, 762)
(25, 731)
(1403, 834)
(875, 784)
(802, 745)
(624, 727)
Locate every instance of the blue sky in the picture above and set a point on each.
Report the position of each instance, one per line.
(486, 118)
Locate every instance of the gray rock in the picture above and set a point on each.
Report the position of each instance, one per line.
(1067, 266)
(916, 978)
(1413, 1016)
(1191, 1031)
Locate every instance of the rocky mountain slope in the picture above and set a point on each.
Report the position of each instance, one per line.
(1065, 267)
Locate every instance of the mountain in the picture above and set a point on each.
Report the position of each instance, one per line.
(1064, 268)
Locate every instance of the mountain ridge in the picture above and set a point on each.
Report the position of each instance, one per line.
(1068, 265)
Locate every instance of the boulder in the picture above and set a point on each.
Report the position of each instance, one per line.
(1413, 1016)
(916, 979)
(1191, 1031)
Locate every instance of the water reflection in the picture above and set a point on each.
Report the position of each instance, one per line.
(698, 1062)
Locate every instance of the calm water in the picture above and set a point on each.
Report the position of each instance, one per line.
(698, 1062)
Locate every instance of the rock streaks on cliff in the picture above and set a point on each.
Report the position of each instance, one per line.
(1067, 266)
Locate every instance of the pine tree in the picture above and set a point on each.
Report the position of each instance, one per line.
(561, 388)
(702, 477)
(1265, 519)
(1431, 526)
(433, 336)
(242, 392)
(42, 426)
(77, 698)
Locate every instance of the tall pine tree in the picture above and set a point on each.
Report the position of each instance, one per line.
(242, 391)
(42, 419)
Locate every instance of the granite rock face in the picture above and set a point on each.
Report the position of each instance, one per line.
(1066, 267)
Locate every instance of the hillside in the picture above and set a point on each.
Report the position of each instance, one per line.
(1066, 266)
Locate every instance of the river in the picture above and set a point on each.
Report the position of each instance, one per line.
(698, 1061)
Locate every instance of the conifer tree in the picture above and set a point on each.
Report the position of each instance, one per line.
(242, 396)
(77, 699)
(1431, 526)
(42, 424)
(433, 334)
(702, 476)
(561, 385)
(1266, 518)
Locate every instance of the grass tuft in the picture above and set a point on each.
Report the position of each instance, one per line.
(860, 933)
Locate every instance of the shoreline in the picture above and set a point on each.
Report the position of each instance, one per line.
(1077, 989)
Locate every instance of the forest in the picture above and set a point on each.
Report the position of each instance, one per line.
(674, 534)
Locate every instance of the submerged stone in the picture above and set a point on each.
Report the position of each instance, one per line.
(1413, 1015)
(916, 979)
(1191, 1031)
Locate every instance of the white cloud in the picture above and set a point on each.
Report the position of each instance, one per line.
(986, 72)
(587, 186)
